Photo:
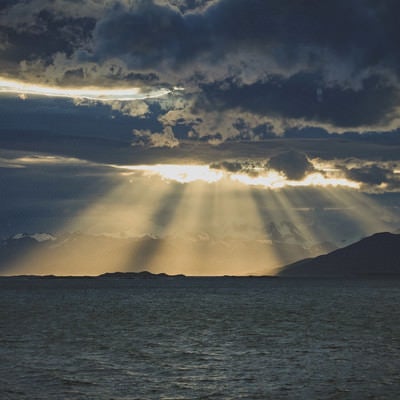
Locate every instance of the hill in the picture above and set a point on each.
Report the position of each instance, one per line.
(376, 255)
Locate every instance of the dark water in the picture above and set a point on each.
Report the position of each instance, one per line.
(200, 339)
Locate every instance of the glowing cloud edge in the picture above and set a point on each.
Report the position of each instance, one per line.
(203, 173)
(87, 93)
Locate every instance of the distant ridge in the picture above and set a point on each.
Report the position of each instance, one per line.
(73, 254)
(376, 255)
(107, 275)
(138, 275)
(132, 276)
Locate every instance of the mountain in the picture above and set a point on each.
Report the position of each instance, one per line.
(39, 237)
(137, 275)
(83, 254)
(376, 255)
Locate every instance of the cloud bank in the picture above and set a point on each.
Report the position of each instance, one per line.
(249, 68)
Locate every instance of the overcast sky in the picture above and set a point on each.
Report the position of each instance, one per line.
(306, 90)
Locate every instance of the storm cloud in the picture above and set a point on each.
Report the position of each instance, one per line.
(260, 119)
(282, 64)
(293, 164)
(375, 177)
(301, 97)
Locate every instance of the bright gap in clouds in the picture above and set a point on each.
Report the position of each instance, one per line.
(23, 89)
(267, 179)
(198, 229)
(178, 173)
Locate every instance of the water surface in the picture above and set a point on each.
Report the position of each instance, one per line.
(199, 338)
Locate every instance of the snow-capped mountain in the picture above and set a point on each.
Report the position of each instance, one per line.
(39, 237)
(83, 254)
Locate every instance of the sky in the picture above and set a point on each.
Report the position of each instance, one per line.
(274, 121)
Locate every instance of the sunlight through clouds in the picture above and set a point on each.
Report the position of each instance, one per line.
(360, 209)
(268, 179)
(171, 136)
(178, 173)
(23, 90)
(196, 220)
(274, 180)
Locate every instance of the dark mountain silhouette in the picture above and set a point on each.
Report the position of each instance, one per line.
(137, 275)
(376, 255)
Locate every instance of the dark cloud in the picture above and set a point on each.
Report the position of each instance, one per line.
(304, 34)
(151, 37)
(294, 31)
(249, 68)
(230, 166)
(251, 168)
(375, 177)
(44, 37)
(297, 98)
(293, 164)
(6, 3)
(290, 32)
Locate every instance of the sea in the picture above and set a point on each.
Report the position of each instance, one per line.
(199, 338)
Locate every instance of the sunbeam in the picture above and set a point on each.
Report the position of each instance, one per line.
(363, 212)
(118, 222)
(318, 231)
(198, 221)
(298, 226)
(148, 254)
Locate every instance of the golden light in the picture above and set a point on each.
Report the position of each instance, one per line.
(318, 179)
(178, 173)
(270, 179)
(274, 180)
(22, 90)
(195, 220)
(364, 212)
